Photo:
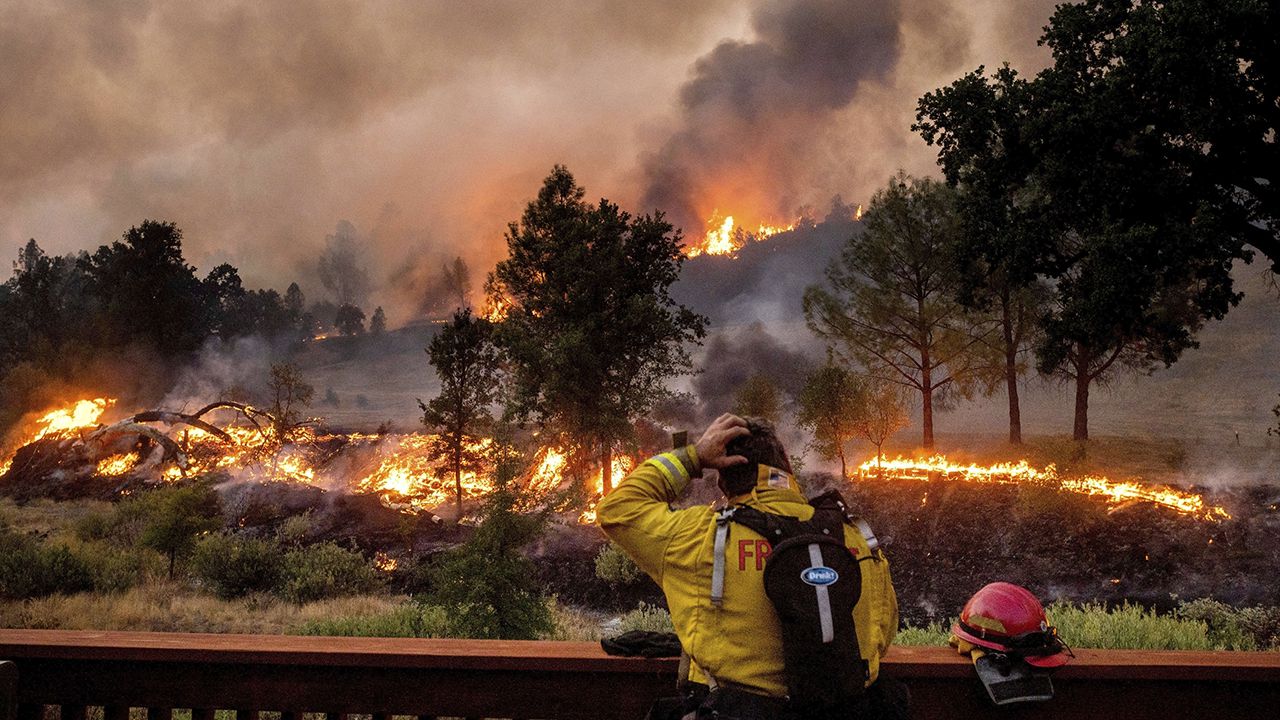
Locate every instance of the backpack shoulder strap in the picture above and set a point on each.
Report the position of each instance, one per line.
(723, 519)
(769, 525)
(833, 502)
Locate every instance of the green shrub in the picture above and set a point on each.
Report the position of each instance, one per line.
(647, 617)
(1197, 625)
(1222, 623)
(1251, 628)
(115, 569)
(295, 529)
(1263, 624)
(98, 526)
(325, 571)
(487, 586)
(410, 620)
(614, 566)
(233, 566)
(28, 569)
(1134, 627)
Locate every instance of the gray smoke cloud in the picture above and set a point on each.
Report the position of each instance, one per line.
(749, 112)
(259, 126)
(733, 356)
(819, 102)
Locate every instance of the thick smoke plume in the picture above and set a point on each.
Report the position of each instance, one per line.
(750, 114)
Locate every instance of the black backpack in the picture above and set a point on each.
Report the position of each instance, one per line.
(813, 581)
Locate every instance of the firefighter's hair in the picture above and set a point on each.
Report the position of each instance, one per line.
(761, 447)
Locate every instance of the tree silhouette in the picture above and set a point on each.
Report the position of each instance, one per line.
(340, 267)
(591, 331)
(466, 362)
(891, 305)
(349, 320)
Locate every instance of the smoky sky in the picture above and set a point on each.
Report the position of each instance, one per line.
(258, 127)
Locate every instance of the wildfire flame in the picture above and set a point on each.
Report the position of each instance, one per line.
(621, 466)
(725, 238)
(117, 465)
(407, 478)
(401, 472)
(1113, 492)
(496, 309)
(79, 415)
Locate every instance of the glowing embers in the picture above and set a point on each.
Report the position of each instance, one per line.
(1114, 493)
(726, 237)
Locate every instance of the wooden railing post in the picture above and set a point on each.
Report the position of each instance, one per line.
(8, 690)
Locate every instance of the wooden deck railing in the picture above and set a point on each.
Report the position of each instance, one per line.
(76, 671)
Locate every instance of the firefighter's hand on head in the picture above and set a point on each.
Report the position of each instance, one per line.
(711, 446)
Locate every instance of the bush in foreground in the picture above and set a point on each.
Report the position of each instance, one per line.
(487, 586)
(411, 620)
(29, 570)
(325, 571)
(233, 566)
(647, 617)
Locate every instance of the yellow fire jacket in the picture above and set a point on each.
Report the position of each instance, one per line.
(739, 642)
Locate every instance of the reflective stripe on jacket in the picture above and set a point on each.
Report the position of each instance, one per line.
(738, 643)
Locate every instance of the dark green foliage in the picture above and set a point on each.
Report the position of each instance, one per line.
(349, 320)
(1131, 174)
(172, 519)
(232, 566)
(591, 330)
(29, 570)
(890, 301)
(466, 362)
(136, 298)
(148, 292)
(378, 323)
(115, 569)
(324, 571)
(488, 588)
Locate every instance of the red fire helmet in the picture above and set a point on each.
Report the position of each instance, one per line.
(1008, 618)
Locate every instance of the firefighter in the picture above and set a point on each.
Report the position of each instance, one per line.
(726, 624)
